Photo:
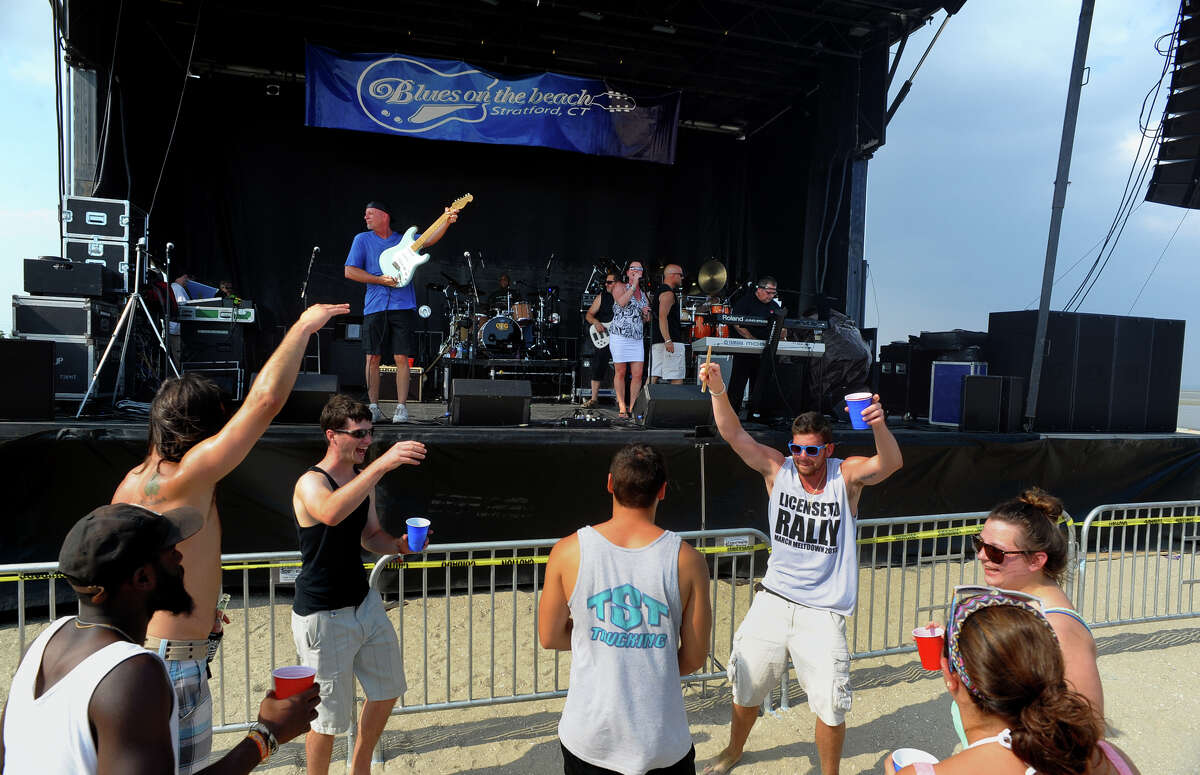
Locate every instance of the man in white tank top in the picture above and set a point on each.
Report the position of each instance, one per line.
(87, 697)
(630, 601)
(811, 583)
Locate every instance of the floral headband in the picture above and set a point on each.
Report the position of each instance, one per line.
(970, 598)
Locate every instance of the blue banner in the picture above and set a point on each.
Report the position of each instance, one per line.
(448, 100)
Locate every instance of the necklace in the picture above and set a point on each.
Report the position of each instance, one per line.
(82, 625)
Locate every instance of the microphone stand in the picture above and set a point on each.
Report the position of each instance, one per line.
(125, 324)
(316, 251)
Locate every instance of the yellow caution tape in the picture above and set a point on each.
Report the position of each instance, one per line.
(1146, 521)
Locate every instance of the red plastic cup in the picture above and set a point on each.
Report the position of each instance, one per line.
(411, 361)
(292, 679)
(929, 646)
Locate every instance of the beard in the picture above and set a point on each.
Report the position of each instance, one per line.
(170, 594)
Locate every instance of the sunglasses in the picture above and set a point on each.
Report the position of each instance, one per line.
(609, 282)
(811, 450)
(771, 291)
(360, 433)
(992, 552)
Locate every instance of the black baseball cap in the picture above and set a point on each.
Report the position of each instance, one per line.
(380, 206)
(113, 540)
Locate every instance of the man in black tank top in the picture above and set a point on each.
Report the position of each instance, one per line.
(599, 315)
(338, 623)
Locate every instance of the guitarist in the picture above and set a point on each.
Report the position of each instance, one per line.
(599, 316)
(389, 312)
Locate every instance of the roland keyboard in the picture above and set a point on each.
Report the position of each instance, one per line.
(732, 346)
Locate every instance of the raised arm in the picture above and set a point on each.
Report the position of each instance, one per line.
(374, 537)
(554, 616)
(696, 626)
(363, 276)
(760, 457)
(210, 460)
(860, 471)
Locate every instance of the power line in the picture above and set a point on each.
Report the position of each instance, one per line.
(1159, 261)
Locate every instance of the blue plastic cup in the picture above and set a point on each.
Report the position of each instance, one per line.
(857, 403)
(418, 531)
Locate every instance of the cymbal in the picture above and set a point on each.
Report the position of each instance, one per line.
(711, 277)
(695, 291)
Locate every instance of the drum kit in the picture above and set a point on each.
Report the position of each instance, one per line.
(710, 280)
(512, 326)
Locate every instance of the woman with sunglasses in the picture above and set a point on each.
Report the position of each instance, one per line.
(631, 309)
(1023, 547)
(1003, 667)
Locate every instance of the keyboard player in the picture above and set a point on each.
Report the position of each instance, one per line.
(760, 304)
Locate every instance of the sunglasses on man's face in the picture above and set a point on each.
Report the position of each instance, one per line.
(358, 433)
(811, 450)
(992, 552)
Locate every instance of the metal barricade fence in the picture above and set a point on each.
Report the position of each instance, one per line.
(474, 623)
(1138, 563)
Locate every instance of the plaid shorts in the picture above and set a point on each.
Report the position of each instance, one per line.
(190, 680)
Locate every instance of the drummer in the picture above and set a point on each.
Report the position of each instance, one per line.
(503, 297)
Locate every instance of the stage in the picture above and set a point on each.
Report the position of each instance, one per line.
(545, 480)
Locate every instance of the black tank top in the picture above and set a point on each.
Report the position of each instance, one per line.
(673, 325)
(332, 574)
(605, 313)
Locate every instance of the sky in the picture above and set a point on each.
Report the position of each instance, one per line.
(958, 200)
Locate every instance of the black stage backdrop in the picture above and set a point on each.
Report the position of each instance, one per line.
(248, 190)
(504, 484)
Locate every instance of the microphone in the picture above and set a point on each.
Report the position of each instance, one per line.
(170, 247)
(316, 250)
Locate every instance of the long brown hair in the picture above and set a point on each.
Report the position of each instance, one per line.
(1037, 514)
(1016, 667)
(185, 411)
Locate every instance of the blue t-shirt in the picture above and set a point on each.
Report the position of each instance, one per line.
(364, 254)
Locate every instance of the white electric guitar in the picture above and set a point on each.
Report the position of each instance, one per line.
(401, 261)
(599, 337)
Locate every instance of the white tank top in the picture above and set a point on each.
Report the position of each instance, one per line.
(814, 558)
(51, 733)
(624, 709)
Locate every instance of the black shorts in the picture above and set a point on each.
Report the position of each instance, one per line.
(573, 765)
(391, 331)
(600, 361)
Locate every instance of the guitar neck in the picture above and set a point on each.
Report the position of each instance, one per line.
(420, 241)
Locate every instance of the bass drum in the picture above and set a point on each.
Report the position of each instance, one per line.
(500, 337)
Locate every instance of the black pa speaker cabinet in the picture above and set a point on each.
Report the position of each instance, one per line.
(212, 341)
(27, 390)
(992, 404)
(673, 406)
(307, 399)
(1099, 373)
(490, 402)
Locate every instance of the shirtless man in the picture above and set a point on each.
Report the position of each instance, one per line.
(191, 449)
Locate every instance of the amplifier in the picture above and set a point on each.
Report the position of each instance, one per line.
(212, 341)
(57, 316)
(54, 277)
(75, 359)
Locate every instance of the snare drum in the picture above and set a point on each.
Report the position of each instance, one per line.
(522, 311)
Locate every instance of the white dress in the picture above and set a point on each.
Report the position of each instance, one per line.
(625, 333)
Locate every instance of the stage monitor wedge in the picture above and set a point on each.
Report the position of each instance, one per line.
(307, 399)
(490, 402)
(673, 406)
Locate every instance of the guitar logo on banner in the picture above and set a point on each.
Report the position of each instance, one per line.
(451, 100)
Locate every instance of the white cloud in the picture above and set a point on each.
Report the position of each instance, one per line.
(37, 72)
